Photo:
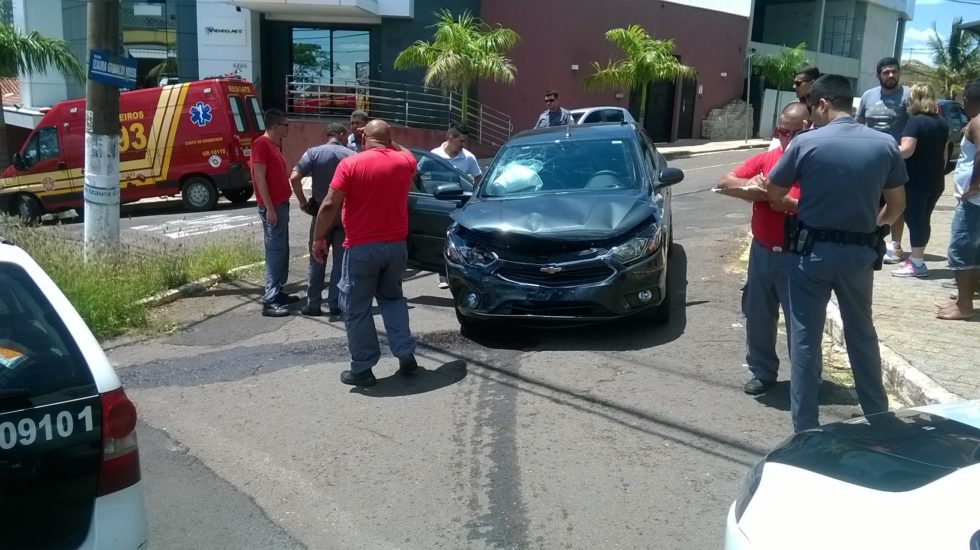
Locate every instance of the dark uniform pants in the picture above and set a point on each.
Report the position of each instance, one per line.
(847, 270)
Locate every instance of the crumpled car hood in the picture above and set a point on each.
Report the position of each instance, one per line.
(562, 215)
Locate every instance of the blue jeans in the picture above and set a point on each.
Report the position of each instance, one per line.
(370, 271)
(276, 252)
(317, 271)
(848, 271)
(766, 289)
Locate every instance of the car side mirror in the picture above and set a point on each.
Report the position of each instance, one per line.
(18, 161)
(670, 176)
(449, 192)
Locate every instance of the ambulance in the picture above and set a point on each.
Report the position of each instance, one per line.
(191, 139)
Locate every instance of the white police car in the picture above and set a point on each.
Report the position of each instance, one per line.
(69, 463)
(898, 480)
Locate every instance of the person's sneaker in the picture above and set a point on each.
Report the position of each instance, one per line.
(910, 269)
(407, 365)
(335, 311)
(274, 310)
(443, 283)
(311, 311)
(757, 387)
(365, 378)
(283, 299)
(951, 283)
(893, 256)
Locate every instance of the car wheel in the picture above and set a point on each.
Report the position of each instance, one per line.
(467, 324)
(237, 196)
(28, 210)
(199, 194)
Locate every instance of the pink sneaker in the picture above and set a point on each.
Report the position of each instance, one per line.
(909, 269)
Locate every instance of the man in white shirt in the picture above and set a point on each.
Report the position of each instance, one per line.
(454, 150)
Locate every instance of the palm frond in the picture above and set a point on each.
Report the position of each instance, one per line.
(32, 53)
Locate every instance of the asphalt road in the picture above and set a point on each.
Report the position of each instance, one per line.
(622, 435)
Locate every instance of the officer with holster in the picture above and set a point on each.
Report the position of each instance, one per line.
(843, 169)
(320, 162)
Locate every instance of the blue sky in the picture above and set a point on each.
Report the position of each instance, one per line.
(940, 12)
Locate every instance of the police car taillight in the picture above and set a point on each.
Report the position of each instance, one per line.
(120, 454)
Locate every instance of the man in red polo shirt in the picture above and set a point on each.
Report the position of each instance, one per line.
(272, 191)
(766, 287)
(370, 189)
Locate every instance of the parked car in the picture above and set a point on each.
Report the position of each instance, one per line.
(955, 116)
(587, 115)
(324, 99)
(569, 225)
(69, 461)
(898, 480)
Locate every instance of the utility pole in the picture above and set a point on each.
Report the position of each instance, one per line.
(102, 135)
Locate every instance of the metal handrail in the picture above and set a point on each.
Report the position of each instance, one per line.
(398, 103)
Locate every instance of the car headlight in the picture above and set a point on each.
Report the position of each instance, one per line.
(637, 248)
(461, 253)
(748, 488)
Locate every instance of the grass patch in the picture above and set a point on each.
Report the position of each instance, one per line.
(105, 290)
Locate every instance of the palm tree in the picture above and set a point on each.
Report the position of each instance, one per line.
(780, 70)
(30, 54)
(647, 60)
(463, 50)
(955, 61)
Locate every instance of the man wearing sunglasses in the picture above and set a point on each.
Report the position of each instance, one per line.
(555, 114)
(802, 83)
(766, 288)
(843, 168)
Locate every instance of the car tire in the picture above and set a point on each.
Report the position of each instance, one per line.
(950, 161)
(199, 194)
(467, 325)
(237, 196)
(28, 209)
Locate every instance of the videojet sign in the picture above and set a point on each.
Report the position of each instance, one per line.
(222, 32)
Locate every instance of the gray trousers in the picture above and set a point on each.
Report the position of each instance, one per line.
(316, 272)
(848, 271)
(372, 271)
(766, 289)
(276, 252)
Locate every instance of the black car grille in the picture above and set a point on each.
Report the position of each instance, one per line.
(552, 309)
(570, 275)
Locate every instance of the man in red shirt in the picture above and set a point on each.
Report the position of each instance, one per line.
(767, 284)
(370, 189)
(272, 191)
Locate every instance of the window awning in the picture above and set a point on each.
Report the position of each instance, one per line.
(329, 11)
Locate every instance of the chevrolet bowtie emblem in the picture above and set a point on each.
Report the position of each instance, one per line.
(550, 269)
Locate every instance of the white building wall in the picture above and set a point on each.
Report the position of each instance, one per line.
(41, 89)
(736, 7)
(880, 32)
(225, 36)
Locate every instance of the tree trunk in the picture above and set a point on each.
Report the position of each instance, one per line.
(644, 90)
(4, 153)
(775, 110)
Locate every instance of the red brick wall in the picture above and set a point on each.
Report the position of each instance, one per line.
(559, 33)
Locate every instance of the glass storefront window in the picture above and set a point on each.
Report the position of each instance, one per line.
(328, 56)
(149, 34)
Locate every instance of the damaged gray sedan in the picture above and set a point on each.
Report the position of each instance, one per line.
(570, 225)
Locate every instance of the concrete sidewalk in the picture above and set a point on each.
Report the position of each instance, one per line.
(690, 147)
(926, 360)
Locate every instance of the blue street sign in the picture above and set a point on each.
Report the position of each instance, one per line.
(109, 69)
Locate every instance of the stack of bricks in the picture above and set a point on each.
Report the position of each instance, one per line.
(728, 123)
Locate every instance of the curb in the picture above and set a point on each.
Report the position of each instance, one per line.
(193, 287)
(671, 155)
(910, 385)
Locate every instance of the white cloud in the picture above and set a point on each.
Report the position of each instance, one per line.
(919, 36)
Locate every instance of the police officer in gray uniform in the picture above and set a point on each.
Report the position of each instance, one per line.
(843, 169)
(321, 162)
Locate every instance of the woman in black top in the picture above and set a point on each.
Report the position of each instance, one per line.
(923, 147)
